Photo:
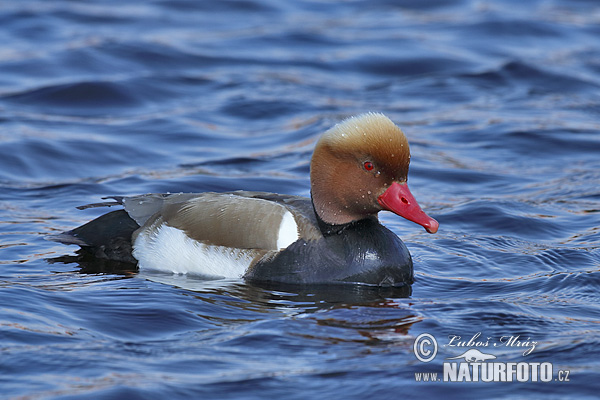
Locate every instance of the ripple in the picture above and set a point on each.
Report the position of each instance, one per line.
(91, 97)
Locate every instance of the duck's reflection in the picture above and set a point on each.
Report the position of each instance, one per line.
(374, 313)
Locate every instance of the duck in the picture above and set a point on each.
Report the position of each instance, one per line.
(359, 168)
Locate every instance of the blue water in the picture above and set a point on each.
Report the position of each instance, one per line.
(500, 101)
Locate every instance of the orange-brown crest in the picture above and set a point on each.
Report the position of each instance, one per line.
(353, 163)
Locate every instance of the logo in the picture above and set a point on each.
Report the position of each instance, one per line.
(474, 365)
(473, 355)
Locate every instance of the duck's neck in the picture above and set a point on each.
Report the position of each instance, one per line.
(334, 207)
(328, 228)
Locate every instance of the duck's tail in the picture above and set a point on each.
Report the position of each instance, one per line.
(107, 237)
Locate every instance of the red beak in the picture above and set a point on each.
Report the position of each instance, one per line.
(399, 200)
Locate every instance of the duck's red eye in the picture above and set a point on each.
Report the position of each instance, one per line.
(368, 165)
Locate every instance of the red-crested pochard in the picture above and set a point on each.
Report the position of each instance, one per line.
(359, 167)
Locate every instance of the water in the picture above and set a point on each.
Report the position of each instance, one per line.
(500, 102)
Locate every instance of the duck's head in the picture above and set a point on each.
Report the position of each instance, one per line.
(360, 167)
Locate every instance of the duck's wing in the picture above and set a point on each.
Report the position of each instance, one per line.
(301, 207)
(242, 220)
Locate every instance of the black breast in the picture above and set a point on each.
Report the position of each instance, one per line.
(361, 252)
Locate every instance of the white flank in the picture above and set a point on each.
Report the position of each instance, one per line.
(169, 249)
(288, 231)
